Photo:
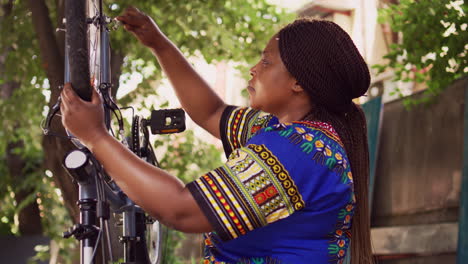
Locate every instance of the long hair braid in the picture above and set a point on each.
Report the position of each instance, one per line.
(326, 63)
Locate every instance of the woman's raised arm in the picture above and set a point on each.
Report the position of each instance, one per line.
(202, 104)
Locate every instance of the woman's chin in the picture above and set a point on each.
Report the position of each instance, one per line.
(251, 100)
(253, 104)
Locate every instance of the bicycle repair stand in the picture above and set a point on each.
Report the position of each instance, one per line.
(86, 231)
(78, 165)
(81, 165)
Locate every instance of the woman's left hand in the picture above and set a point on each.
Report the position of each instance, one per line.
(85, 120)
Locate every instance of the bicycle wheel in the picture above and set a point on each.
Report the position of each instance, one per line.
(154, 241)
(77, 47)
(77, 72)
(88, 63)
(94, 42)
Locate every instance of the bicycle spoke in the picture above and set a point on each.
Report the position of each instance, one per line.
(94, 39)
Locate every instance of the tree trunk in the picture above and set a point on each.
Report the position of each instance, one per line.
(29, 217)
(54, 148)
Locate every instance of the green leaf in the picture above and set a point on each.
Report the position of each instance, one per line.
(419, 22)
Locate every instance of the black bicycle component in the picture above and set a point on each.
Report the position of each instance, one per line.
(103, 210)
(146, 150)
(81, 232)
(53, 111)
(135, 139)
(109, 104)
(167, 121)
(88, 220)
(133, 237)
(140, 144)
(77, 164)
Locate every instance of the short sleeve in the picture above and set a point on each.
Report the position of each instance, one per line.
(253, 189)
(282, 170)
(239, 124)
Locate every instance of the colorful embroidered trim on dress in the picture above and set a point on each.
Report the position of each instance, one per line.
(261, 197)
(323, 127)
(252, 190)
(241, 124)
(324, 149)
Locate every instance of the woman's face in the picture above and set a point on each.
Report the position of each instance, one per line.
(271, 86)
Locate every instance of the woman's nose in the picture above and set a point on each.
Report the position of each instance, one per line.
(252, 71)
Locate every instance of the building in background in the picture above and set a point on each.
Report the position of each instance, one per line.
(359, 19)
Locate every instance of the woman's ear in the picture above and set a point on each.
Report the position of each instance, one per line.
(297, 88)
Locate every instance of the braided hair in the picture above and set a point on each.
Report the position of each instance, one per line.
(327, 65)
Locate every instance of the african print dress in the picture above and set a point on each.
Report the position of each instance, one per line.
(285, 194)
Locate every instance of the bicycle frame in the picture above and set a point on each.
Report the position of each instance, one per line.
(98, 194)
(91, 208)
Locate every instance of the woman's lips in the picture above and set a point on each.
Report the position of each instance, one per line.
(250, 87)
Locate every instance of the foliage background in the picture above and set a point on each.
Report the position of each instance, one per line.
(432, 46)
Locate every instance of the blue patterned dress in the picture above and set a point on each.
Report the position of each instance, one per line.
(285, 194)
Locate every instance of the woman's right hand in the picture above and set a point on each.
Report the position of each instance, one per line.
(141, 26)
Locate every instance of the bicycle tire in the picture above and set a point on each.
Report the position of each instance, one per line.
(155, 236)
(81, 40)
(76, 41)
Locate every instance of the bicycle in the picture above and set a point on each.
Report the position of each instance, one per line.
(87, 28)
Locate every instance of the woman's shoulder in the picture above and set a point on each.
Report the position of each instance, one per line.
(301, 141)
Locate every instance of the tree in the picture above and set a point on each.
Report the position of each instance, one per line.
(20, 160)
(433, 45)
(31, 70)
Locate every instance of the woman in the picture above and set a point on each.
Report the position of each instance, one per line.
(286, 193)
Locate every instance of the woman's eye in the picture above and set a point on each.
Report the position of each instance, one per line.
(264, 61)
